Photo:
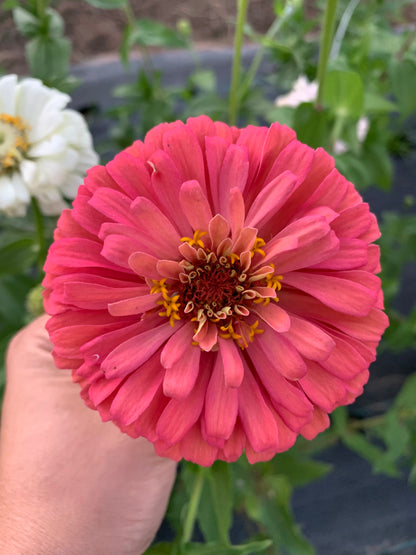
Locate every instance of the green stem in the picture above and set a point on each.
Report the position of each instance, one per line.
(235, 97)
(40, 233)
(342, 28)
(337, 130)
(189, 523)
(269, 36)
(128, 10)
(131, 22)
(406, 45)
(40, 8)
(403, 415)
(325, 48)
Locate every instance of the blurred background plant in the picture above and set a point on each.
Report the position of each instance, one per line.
(344, 77)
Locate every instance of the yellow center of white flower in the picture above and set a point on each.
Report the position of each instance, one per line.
(13, 142)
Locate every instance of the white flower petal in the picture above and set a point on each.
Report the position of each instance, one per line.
(14, 196)
(50, 202)
(31, 96)
(302, 91)
(28, 171)
(71, 184)
(363, 125)
(340, 147)
(48, 147)
(8, 85)
(50, 172)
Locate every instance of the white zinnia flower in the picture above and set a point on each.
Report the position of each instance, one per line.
(302, 91)
(45, 149)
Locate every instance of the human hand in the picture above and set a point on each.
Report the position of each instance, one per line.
(69, 483)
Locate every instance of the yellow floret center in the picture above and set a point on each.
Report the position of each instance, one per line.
(218, 288)
(13, 142)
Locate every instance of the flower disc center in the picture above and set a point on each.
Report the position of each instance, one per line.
(13, 142)
(220, 291)
(215, 288)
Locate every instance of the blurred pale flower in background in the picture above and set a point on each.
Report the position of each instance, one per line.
(306, 91)
(302, 91)
(45, 149)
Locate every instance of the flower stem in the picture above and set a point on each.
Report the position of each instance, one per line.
(342, 28)
(406, 45)
(40, 8)
(189, 523)
(40, 233)
(269, 36)
(325, 47)
(235, 97)
(128, 11)
(337, 130)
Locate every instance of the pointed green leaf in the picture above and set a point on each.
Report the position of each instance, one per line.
(374, 103)
(344, 93)
(300, 470)
(374, 455)
(17, 256)
(273, 513)
(26, 23)
(311, 125)
(48, 58)
(220, 485)
(403, 81)
(147, 32)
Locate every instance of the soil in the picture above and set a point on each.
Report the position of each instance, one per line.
(95, 32)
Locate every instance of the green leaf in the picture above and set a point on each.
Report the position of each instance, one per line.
(214, 548)
(283, 114)
(339, 418)
(395, 435)
(375, 456)
(13, 292)
(26, 23)
(311, 125)
(48, 58)
(17, 256)
(55, 23)
(300, 470)
(10, 4)
(403, 81)
(209, 104)
(355, 169)
(161, 548)
(344, 93)
(379, 163)
(108, 4)
(272, 511)
(377, 104)
(50, 25)
(407, 395)
(147, 32)
(203, 79)
(215, 512)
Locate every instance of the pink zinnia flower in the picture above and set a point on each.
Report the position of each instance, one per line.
(213, 290)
